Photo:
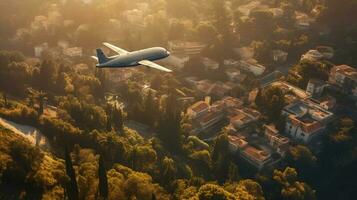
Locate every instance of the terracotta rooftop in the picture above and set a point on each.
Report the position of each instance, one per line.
(256, 154)
(208, 117)
(307, 124)
(237, 140)
(347, 71)
(199, 106)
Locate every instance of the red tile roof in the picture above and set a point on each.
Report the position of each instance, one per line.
(256, 154)
(308, 126)
(199, 106)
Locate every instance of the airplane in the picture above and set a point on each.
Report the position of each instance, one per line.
(131, 59)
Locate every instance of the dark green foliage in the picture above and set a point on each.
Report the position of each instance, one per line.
(109, 112)
(153, 197)
(169, 170)
(103, 180)
(169, 125)
(71, 186)
(339, 15)
(37, 97)
(118, 119)
(311, 70)
(221, 158)
(305, 162)
(5, 99)
(292, 188)
(270, 101)
(7, 57)
(222, 21)
(150, 110)
(182, 165)
(26, 172)
(86, 116)
(15, 74)
(206, 32)
(46, 76)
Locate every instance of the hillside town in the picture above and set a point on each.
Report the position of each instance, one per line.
(261, 102)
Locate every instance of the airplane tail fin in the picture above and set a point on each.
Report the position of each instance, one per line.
(102, 58)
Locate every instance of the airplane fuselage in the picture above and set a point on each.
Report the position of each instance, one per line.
(132, 58)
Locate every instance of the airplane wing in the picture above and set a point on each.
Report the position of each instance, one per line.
(154, 65)
(95, 58)
(116, 49)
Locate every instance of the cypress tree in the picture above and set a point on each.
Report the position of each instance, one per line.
(221, 158)
(103, 180)
(118, 119)
(153, 197)
(109, 111)
(169, 125)
(5, 99)
(71, 186)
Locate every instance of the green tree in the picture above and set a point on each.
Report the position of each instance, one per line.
(38, 97)
(206, 32)
(156, 82)
(4, 96)
(169, 125)
(301, 158)
(221, 158)
(102, 76)
(214, 192)
(271, 101)
(71, 186)
(47, 74)
(109, 112)
(168, 170)
(249, 189)
(103, 180)
(17, 75)
(292, 188)
(150, 110)
(222, 22)
(118, 119)
(153, 197)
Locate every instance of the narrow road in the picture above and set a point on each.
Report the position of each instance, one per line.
(32, 134)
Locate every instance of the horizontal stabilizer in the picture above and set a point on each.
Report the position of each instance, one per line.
(95, 58)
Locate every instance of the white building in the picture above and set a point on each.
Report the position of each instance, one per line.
(256, 157)
(38, 50)
(235, 75)
(210, 64)
(179, 47)
(306, 120)
(344, 76)
(315, 87)
(73, 52)
(243, 117)
(279, 142)
(303, 21)
(252, 66)
(177, 61)
(279, 56)
(230, 63)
